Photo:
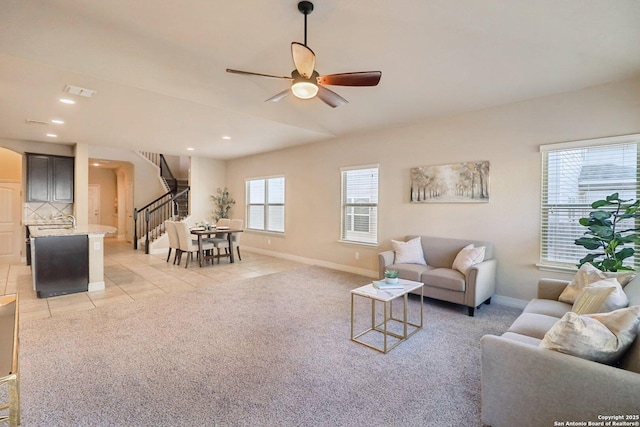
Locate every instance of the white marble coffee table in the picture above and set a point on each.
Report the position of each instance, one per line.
(386, 297)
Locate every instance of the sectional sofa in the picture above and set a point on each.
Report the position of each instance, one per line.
(526, 385)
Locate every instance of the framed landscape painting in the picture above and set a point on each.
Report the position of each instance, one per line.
(466, 182)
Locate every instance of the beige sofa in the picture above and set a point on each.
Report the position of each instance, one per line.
(440, 280)
(525, 385)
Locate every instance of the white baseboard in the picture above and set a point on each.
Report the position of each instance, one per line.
(310, 261)
(509, 302)
(96, 286)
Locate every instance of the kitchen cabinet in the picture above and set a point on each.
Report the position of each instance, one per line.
(60, 265)
(49, 178)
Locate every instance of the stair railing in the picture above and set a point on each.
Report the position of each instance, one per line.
(155, 214)
(165, 173)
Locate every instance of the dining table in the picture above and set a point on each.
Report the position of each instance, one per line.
(207, 232)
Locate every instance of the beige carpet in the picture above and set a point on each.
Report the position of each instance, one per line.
(269, 351)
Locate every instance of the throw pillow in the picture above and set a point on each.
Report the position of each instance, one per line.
(600, 337)
(409, 252)
(467, 257)
(622, 277)
(592, 298)
(585, 275)
(617, 299)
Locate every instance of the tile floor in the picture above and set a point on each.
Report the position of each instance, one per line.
(132, 276)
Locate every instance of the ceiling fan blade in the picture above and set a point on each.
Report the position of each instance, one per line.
(279, 96)
(361, 78)
(330, 97)
(303, 58)
(249, 73)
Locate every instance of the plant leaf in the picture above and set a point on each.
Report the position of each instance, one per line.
(625, 253)
(589, 243)
(603, 231)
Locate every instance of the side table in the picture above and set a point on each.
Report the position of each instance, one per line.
(386, 297)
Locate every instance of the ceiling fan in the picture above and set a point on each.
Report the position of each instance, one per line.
(306, 81)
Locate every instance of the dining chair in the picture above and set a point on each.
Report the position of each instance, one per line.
(220, 243)
(223, 222)
(187, 244)
(174, 243)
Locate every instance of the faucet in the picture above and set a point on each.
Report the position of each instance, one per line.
(69, 217)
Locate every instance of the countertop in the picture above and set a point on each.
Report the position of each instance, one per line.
(66, 230)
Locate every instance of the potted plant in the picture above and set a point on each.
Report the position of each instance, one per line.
(223, 203)
(391, 276)
(605, 236)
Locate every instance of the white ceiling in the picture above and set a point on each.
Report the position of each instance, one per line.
(159, 66)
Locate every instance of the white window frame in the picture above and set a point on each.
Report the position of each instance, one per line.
(557, 236)
(266, 204)
(349, 204)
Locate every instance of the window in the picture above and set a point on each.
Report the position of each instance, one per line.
(360, 205)
(265, 204)
(574, 175)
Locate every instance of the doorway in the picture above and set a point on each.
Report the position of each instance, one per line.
(94, 203)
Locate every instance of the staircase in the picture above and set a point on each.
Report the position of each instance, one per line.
(173, 205)
(182, 201)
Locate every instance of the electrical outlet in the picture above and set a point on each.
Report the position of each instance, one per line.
(357, 255)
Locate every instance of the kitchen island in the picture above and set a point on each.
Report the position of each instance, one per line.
(67, 259)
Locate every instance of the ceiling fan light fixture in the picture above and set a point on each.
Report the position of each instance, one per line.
(304, 89)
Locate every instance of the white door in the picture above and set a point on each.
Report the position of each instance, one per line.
(10, 222)
(94, 204)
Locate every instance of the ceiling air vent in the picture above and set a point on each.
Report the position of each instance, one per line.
(36, 122)
(80, 91)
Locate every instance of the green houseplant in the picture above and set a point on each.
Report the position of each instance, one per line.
(391, 276)
(223, 202)
(604, 235)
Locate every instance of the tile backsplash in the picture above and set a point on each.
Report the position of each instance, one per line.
(37, 212)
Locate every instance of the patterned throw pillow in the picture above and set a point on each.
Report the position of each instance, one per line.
(588, 275)
(409, 252)
(592, 298)
(599, 337)
(467, 258)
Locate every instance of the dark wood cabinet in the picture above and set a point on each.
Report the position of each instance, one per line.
(49, 178)
(61, 265)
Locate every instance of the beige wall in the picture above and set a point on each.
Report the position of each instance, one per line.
(146, 181)
(206, 175)
(507, 136)
(10, 165)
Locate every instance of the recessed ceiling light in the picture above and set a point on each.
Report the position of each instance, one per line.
(226, 137)
(57, 121)
(67, 101)
(52, 135)
(190, 148)
(96, 164)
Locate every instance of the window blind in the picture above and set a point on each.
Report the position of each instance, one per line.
(265, 204)
(572, 179)
(359, 205)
